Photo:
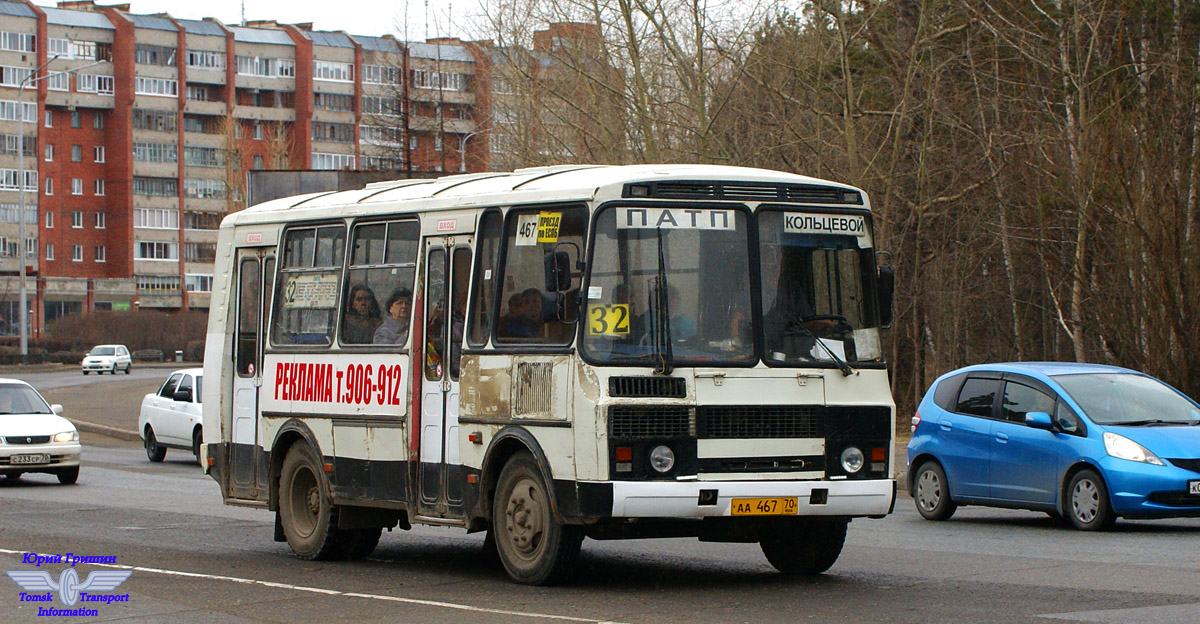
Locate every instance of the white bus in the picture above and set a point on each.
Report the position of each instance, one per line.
(556, 353)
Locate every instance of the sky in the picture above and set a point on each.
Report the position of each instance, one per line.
(424, 18)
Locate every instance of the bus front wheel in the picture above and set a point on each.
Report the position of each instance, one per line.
(305, 506)
(805, 547)
(534, 547)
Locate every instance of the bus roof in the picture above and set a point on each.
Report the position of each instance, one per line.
(557, 183)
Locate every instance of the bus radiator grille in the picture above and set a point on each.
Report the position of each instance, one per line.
(627, 422)
(760, 421)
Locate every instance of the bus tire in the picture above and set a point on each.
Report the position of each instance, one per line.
(306, 509)
(806, 547)
(534, 547)
(360, 543)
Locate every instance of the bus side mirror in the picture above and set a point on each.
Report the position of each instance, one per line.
(885, 286)
(558, 271)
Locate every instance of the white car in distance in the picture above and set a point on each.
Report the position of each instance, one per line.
(107, 359)
(171, 417)
(33, 437)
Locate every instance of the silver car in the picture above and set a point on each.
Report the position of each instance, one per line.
(33, 437)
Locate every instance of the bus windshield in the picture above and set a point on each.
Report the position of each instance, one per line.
(815, 273)
(669, 282)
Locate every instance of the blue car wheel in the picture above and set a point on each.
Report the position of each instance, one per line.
(1087, 502)
(931, 492)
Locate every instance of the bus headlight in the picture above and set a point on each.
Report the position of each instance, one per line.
(662, 458)
(852, 459)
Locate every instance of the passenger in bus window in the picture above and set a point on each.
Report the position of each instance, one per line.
(394, 329)
(362, 316)
(524, 318)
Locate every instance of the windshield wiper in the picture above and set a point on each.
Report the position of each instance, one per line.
(798, 321)
(1151, 421)
(661, 319)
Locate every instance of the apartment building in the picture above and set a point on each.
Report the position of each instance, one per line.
(139, 131)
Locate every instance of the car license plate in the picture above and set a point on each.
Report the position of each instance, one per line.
(41, 458)
(763, 506)
(1194, 487)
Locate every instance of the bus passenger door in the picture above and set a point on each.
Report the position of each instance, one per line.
(247, 354)
(447, 276)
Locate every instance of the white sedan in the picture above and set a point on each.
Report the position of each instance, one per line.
(33, 437)
(171, 417)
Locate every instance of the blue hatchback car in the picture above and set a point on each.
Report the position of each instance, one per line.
(1082, 441)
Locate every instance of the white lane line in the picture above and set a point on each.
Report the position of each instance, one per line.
(334, 592)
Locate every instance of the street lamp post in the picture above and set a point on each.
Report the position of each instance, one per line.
(22, 252)
(462, 147)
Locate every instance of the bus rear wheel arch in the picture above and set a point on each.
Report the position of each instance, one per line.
(533, 544)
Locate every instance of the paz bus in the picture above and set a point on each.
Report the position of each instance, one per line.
(553, 354)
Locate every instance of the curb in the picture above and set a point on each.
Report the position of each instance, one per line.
(112, 432)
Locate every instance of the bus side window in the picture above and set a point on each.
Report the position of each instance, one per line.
(379, 296)
(484, 296)
(309, 282)
(529, 315)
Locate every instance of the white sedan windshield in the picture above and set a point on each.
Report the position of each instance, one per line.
(21, 399)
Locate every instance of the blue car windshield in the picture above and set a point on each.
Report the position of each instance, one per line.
(1122, 398)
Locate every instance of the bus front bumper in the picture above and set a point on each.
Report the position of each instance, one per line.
(702, 499)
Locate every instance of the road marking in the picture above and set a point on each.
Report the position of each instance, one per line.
(334, 592)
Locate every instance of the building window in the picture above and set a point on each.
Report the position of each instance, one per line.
(49, 119)
(155, 250)
(156, 86)
(98, 153)
(201, 220)
(381, 74)
(30, 247)
(437, 143)
(76, 153)
(49, 186)
(94, 83)
(77, 219)
(332, 132)
(412, 142)
(99, 187)
(332, 71)
(76, 119)
(98, 120)
(49, 152)
(332, 161)
(153, 55)
(200, 188)
(18, 42)
(101, 220)
(49, 251)
(58, 81)
(258, 132)
(156, 187)
(77, 186)
(199, 252)
(155, 152)
(49, 220)
(156, 218)
(341, 102)
(198, 282)
(205, 59)
(198, 94)
(157, 282)
(156, 120)
(100, 255)
(258, 163)
(76, 253)
(442, 81)
(203, 156)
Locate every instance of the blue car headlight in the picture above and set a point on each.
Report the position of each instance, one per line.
(1123, 448)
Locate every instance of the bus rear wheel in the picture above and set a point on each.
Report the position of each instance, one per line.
(804, 546)
(534, 547)
(306, 509)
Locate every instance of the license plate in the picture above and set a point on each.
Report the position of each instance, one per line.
(763, 506)
(1194, 487)
(30, 459)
